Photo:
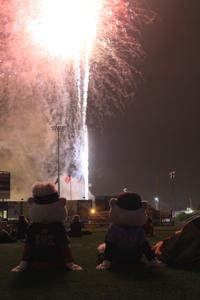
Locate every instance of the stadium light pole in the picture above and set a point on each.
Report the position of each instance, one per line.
(58, 129)
(157, 201)
(172, 175)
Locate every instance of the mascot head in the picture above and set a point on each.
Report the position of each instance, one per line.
(128, 210)
(45, 206)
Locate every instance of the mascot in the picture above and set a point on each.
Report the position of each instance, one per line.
(182, 249)
(47, 244)
(125, 241)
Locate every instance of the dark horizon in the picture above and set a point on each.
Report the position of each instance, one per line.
(159, 131)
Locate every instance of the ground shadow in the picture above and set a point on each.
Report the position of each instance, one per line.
(189, 268)
(29, 280)
(137, 271)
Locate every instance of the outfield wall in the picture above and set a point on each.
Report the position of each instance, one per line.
(12, 209)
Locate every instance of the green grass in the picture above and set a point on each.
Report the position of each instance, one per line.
(129, 283)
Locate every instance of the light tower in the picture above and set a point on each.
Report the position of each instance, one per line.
(172, 175)
(58, 129)
(157, 202)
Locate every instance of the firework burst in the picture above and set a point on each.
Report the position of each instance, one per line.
(51, 51)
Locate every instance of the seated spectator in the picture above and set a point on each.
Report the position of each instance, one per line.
(5, 225)
(76, 227)
(181, 249)
(148, 227)
(5, 237)
(21, 227)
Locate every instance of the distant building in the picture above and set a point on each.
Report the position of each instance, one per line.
(12, 209)
(4, 185)
(102, 209)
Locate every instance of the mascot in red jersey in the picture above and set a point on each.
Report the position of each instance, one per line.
(47, 244)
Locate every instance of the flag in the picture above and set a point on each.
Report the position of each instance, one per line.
(67, 179)
(172, 174)
(81, 178)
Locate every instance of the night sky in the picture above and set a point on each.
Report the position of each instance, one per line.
(159, 132)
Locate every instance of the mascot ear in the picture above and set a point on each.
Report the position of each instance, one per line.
(30, 200)
(63, 201)
(112, 202)
(144, 204)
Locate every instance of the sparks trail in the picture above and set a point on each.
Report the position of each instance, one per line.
(113, 74)
(49, 51)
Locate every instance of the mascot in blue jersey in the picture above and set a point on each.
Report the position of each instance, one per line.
(125, 241)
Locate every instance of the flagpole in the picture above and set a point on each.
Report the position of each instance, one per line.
(58, 129)
(172, 175)
(58, 143)
(70, 187)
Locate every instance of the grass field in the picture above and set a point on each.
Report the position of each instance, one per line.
(130, 283)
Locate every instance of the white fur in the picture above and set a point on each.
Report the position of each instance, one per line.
(48, 213)
(124, 217)
(43, 189)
